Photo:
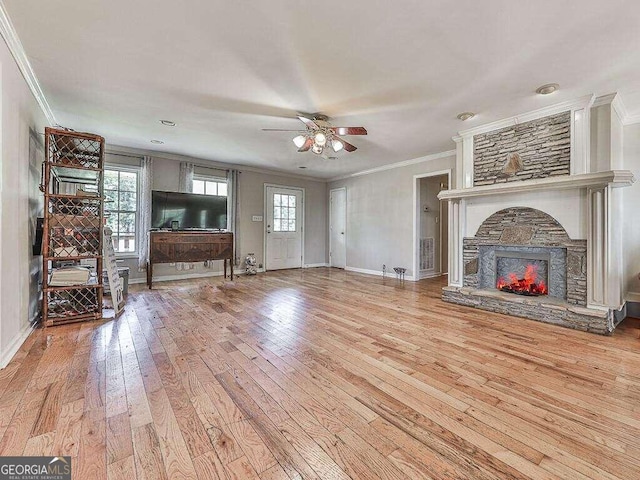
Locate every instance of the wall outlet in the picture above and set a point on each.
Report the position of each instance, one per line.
(256, 218)
(259, 265)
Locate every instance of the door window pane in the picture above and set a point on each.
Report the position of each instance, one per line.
(284, 213)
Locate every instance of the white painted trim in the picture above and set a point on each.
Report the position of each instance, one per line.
(416, 212)
(604, 99)
(615, 99)
(576, 104)
(15, 345)
(315, 265)
(632, 297)
(614, 178)
(204, 163)
(170, 278)
(631, 119)
(378, 273)
(345, 225)
(264, 223)
(391, 166)
(14, 44)
(167, 278)
(430, 274)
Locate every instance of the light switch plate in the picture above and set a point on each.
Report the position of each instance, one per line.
(257, 218)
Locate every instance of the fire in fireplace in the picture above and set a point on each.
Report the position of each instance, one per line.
(529, 285)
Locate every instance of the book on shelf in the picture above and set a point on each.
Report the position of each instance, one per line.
(84, 193)
(71, 276)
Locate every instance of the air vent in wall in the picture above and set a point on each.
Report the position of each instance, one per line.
(427, 253)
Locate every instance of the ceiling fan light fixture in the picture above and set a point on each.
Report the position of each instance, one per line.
(320, 138)
(299, 140)
(337, 145)
(317, 149)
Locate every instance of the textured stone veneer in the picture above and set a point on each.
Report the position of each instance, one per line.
(516, 227)
(542, 309)
(543, 145)
(537, 234)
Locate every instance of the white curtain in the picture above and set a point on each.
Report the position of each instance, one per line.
(146, 185)
(233, 210)
(186, 177)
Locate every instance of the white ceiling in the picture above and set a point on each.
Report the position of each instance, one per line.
(222, 70)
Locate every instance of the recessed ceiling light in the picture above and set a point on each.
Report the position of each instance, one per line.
(168, 123)
(157, 142)
(547, 89)
(465, 116)
(302, 167)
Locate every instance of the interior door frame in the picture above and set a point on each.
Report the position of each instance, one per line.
(416, 213)
(265, 217)
(345, 225)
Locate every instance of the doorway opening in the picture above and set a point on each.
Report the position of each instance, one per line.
(431, 225)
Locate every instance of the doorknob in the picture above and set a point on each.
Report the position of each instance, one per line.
(268, 228)
(341, 233)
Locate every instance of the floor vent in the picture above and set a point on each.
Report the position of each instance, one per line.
(427, 253)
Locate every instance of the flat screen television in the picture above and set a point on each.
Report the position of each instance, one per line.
(190, 210)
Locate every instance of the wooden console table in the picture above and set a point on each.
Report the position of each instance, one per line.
(185, 246)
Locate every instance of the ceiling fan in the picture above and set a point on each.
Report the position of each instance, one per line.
(320, 134)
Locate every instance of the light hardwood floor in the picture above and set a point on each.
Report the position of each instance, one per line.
(323, 374)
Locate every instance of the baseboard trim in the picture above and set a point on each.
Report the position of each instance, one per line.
(633, 297)
(378, 273)
(188, 276)
(15, 345)
(316, 265)
(424, 275)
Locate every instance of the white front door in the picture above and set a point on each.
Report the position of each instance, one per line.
(338, 215)
(283, 228)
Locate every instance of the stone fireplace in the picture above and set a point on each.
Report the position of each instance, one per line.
(534, 230)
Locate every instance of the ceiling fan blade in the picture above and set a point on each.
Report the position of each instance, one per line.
(349, 130)
(279, 130)
(347, 146)
(308, 122)
(308, 143)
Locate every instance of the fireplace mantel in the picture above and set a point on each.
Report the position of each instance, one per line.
(613, 178)
(584, 199)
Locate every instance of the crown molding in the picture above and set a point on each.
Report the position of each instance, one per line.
(615, 100)
(576, 104)
(12, 40)
(391, 166)
(200, 162)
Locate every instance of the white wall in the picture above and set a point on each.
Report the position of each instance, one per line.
(380, 213)
(631, 215)
(251, 199)
(19, 200)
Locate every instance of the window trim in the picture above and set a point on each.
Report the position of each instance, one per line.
(211, 178)
(137, 170)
